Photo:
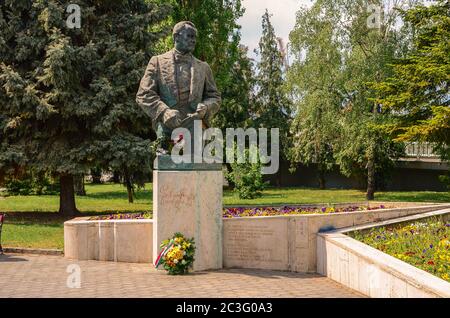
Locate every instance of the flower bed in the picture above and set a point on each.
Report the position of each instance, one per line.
(286, 210)
(255, 211)
(123, 216)
(424, 244)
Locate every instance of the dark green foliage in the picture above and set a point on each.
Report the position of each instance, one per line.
(31, 183)
(237, 94)
(272, 108)
(67, 95)
(445, 179)
(247, 177)
(337, 55)
(313, 79)
(418, 91)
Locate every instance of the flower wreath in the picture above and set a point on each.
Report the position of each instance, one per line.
(177, 254)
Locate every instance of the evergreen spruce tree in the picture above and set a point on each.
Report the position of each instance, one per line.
(237, 94)
(67, 95)
(271, 108)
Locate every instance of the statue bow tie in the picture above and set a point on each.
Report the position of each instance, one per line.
(183, 58)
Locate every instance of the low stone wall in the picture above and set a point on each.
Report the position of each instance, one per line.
(285, 243)
(372, 272)
(109, 240)
(289, 242)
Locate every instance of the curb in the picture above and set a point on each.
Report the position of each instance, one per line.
(21, 250)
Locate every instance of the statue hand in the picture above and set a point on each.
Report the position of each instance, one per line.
(171, 118)
(201, 110)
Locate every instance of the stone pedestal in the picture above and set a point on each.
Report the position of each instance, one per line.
(188, 199)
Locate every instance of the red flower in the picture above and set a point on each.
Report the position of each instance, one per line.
(430, 263)
(180, 138)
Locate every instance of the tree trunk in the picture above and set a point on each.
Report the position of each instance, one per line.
(278, 178)
(129, 186)
(67, 205)
(370, 195)
(96, 175)
(79, 185)
(321, 177)
(116, 176)
(231, 184)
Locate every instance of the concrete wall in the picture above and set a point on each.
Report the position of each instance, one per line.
(289, 242)
(110, 240)
(372, 272)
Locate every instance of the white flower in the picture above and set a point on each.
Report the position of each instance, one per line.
(183, 262)
(184, 253)
(175, 261)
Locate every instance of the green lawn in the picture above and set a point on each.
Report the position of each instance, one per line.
(113, 197)
(47, 232)
(37, 234)
(99, 198)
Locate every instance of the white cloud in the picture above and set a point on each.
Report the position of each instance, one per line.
(283, 19)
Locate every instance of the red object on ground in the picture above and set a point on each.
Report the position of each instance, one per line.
(2, 217)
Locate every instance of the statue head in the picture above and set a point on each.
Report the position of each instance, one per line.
(184, 36)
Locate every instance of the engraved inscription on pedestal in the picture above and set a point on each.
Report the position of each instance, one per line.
(190, 202)
(256, 244)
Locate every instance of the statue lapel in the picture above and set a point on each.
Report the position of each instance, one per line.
(195, 78)
(168, 74)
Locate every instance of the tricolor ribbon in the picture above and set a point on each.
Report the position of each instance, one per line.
(163, 253)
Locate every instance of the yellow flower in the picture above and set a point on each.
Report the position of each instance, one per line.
(444, 243)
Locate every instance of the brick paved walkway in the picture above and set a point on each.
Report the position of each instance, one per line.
(45, 276)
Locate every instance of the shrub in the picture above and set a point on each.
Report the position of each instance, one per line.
(19, 187)
(31, 183)
(247, 177)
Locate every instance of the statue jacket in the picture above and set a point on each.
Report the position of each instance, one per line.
(158, 89)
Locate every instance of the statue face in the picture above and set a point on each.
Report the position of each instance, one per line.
(185, 40)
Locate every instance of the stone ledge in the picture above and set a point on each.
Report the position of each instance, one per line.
(165, 163)
(109, 240)
(274, 242)
(85, 220)
(23, 250)
(289, 242)
(335, 250)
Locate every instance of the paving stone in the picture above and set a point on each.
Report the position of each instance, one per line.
(29, 275)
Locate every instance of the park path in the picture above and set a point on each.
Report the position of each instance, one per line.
(23, 275)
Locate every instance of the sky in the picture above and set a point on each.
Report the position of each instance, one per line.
(283, 19)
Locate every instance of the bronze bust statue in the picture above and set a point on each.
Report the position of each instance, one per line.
(177, 88)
